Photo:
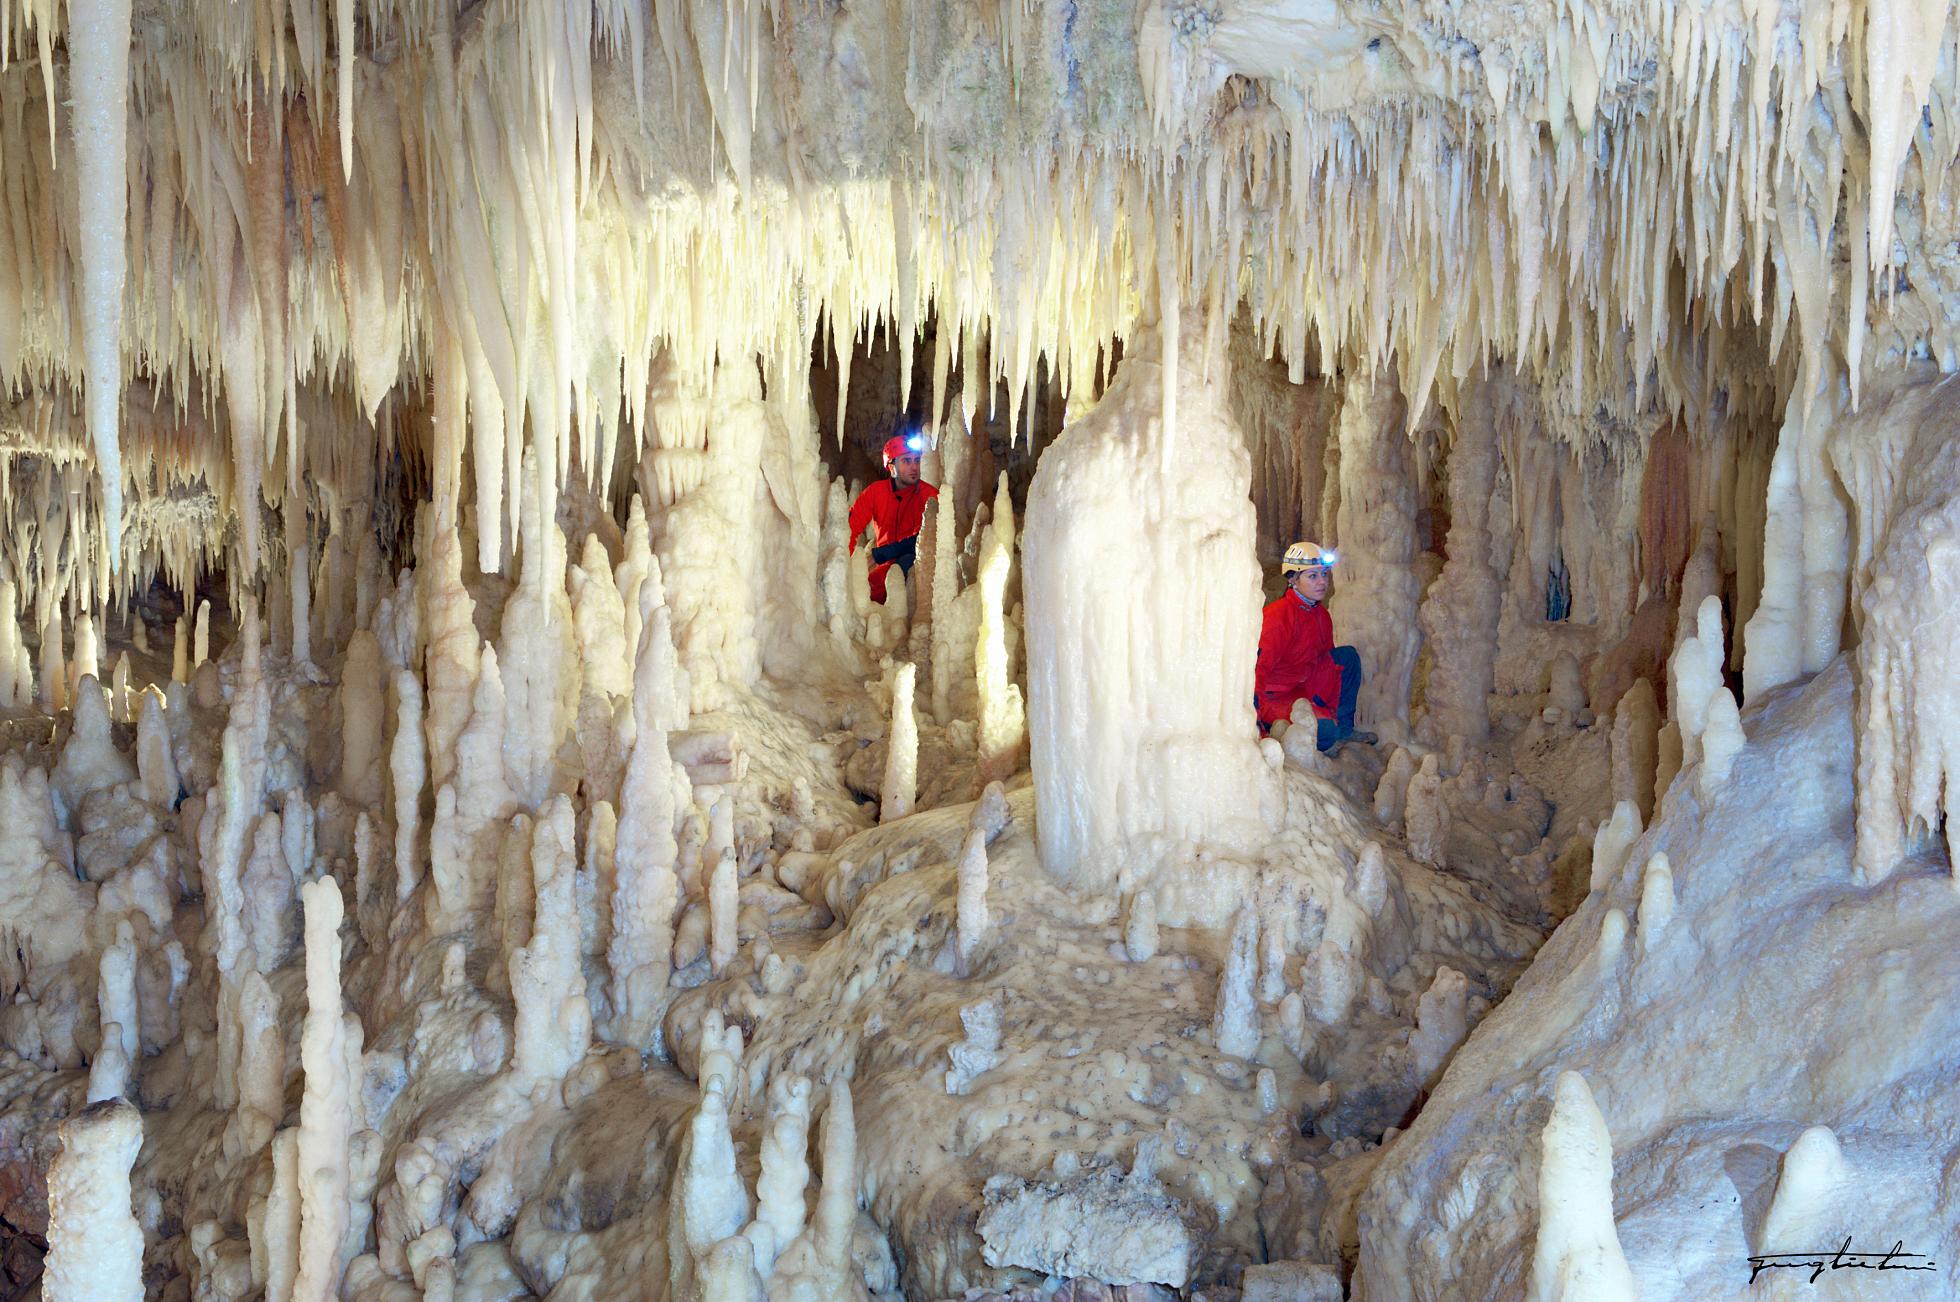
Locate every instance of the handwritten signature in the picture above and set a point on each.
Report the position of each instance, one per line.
(1895, 1258)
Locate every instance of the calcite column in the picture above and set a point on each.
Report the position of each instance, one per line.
(1142, 600)
(734, 499)
(1459, 615)
(1375, 586)
(1806, 552)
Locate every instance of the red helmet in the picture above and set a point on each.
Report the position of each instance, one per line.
(903, 445)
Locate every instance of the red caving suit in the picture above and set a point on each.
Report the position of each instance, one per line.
(1295, 642)
(896, 514)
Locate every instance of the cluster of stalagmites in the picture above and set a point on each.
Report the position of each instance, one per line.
(445, 899)
(453, 886)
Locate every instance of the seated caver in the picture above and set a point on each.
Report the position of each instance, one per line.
(894, 507)
(1298, 660)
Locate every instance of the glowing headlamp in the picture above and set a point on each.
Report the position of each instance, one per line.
(1328, 559)
(915, 443)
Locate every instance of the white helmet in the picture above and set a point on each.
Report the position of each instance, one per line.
(1303, 554)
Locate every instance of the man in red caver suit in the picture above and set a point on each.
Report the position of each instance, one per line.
(894, 507)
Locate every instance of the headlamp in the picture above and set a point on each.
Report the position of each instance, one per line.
(915, 442)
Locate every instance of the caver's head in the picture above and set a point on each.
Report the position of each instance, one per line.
(902, 458)
(1309, 570)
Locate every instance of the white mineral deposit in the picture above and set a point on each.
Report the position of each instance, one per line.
(471, 829)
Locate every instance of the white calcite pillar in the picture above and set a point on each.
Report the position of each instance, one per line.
(95, 1247)
(1806, 551)
(1577, 1253)
(327, 1106)
(1142, 599)
(1375, 585)
(900, 790)
(1459, 613)
(734, 498)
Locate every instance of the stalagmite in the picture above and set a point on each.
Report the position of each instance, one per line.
(156, 765)
(201, 638)
(779, 1191)
(1002, 722)
(327, 1107)
(54, 677)
(970, 901)
(1392, 790)
(261, 1070)
(454, 657)
(599, 616)
(1328, 984)
(1272, 962)
(922, 575)
(91, 760)
(1635, 747)
(900, 789)
(1441, 1023)
(1371, 879)
(979, 1051)
(710, 1203)
(630, 574)
(944, 588)
(1428, 813)
(1121, 766)
(1808, 1190)
(1613, 842)
(275, 1237)
(86, 662)
(837, 1207)
(1806, 550)
(1235, 1021)
(408, 768)
(644, 886)
(109, 1074)
(1656, 901)
(1694, 676)
(721, 913)
(95, 1247)
(1720, 741)
(1577, 1252)
(1140, 930)
(553, 1021)
(120, 710)
(1612, 943)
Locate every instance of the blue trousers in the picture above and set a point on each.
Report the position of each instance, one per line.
(1339, 728)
